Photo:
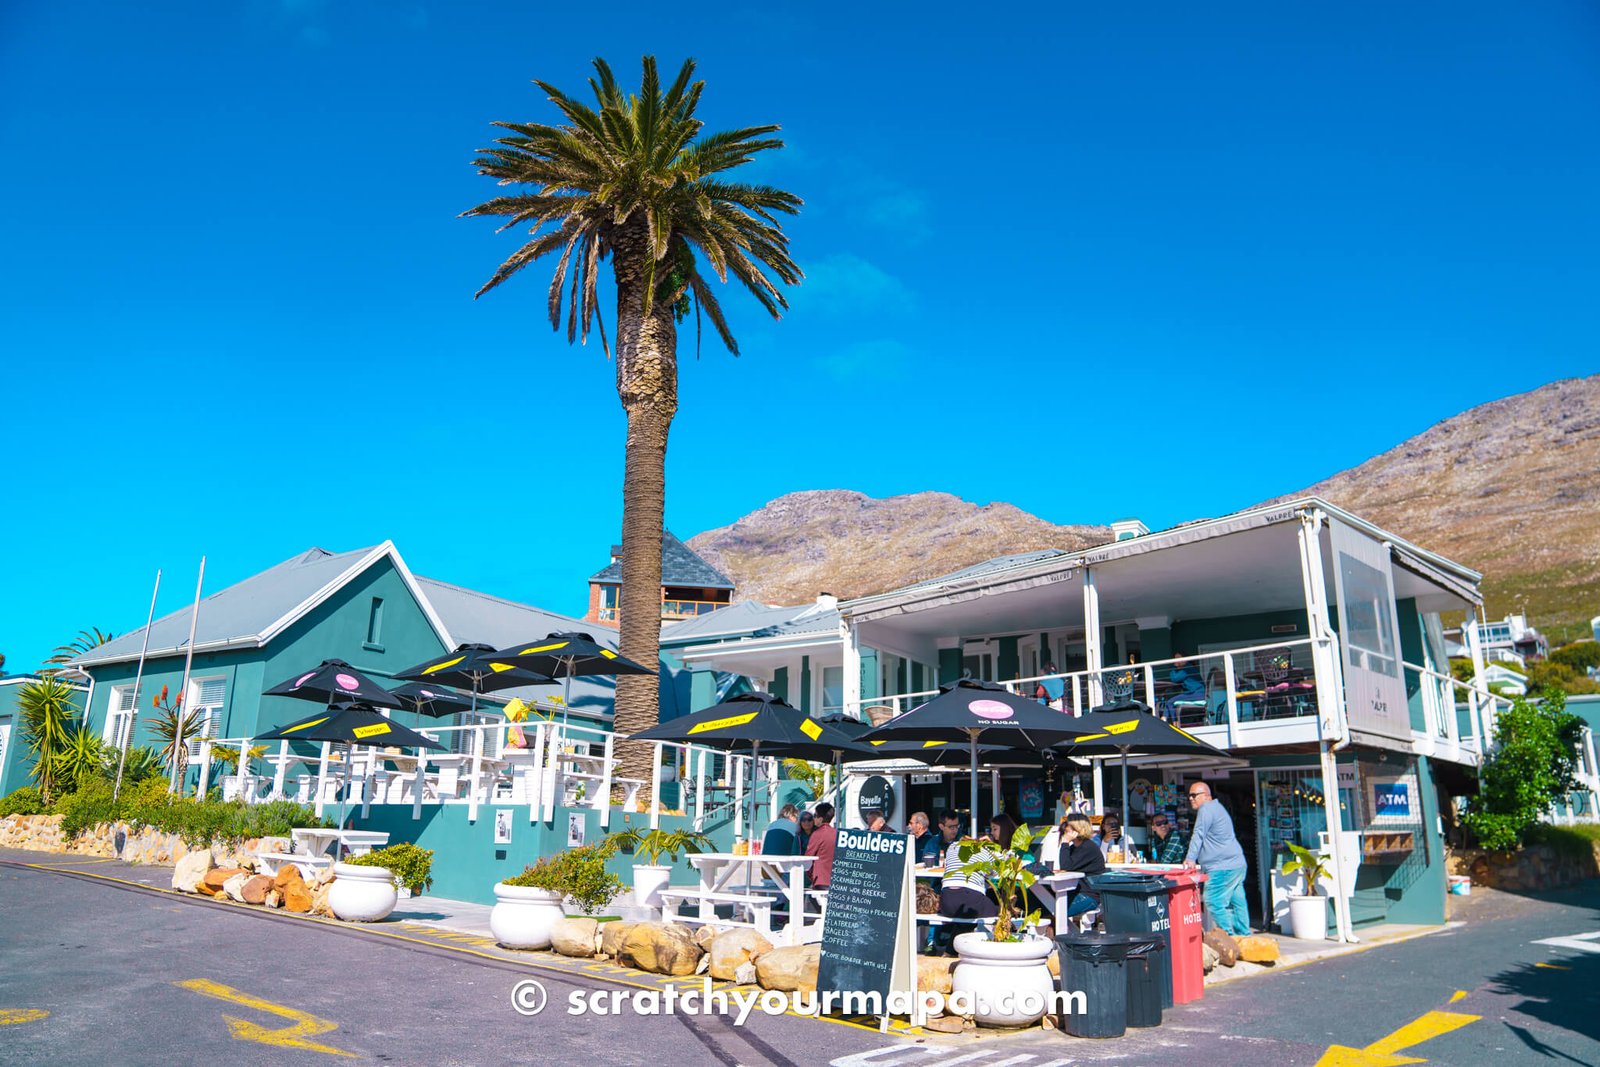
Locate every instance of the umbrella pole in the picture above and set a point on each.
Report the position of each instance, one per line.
(972, 739)
(1125, 823)
(344, 797)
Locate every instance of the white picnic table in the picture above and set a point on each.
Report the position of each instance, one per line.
(316, 840)
(1057, 889)
(754, 884)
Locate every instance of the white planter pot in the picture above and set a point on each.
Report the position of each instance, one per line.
(1009, 981)
(1308, 917)
(362, 894)
(648, 882)
(522, 916)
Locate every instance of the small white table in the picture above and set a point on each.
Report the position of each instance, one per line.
(1057, 889)
(316, 840)
(735, 878)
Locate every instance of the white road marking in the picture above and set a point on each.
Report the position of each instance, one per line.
(907, 1055)
(1589, 942)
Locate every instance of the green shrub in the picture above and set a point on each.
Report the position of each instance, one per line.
(579, 873)
(1571, 842)
(409, 864)
(88, 806)
(148, 805)
(1580, 656)
(1550, 677)
(25, 801)
(1534, 762)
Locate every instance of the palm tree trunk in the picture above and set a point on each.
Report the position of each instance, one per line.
(647, 384)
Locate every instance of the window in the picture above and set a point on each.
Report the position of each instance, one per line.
(206, 698)
(375, 624)
(608, 603)
(832, 688)
(119, 716)
(5, 737)
(461, 740)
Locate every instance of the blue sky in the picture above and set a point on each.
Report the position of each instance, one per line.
(1095, 260)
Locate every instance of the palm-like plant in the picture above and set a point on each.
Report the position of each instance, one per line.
(81, 756)
(86, 640)
(174, 727)
(633, 180)
(48, 715)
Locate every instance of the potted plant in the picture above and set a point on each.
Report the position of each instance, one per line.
(362, 892)
(409, 865)
(1308, 912)
(1005, 971)
(652, 876)
(527, 905)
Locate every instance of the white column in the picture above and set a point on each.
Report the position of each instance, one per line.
(243, 767)
(278, 772)
(850, 641)
(1091, 647)
(772, 789)
(475, 783)
(655, 787)
(738, 796)
(994, 795)
(419, 784)
(205, 765)
(700, 781)
(1099, 779)
(322, 774)
(537, 776)
(604, 797)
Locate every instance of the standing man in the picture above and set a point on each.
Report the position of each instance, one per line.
(1214, 848)
(821, 846)
(783, 836)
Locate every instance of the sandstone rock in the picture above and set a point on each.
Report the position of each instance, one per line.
(1258, 948)
(935, 973)
(216, 878)
(255, 889)
(945, 1024)
(704, 935)
(319, 900)
(792, 968)
(287, 874)
(574, 937)
(296, 897)
(745, 974)
(1208, 957)
(1053, 962)
(190, 870)
(274, 899)
(233, 888)
(612, 935)
(1226, 947)
(732, 949)
(661, 948)
(703, 966)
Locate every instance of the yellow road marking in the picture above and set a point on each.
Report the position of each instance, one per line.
(12, 1016)
(1553, 966)
(304, 1025)
(1385, 1052)
(1460, 994)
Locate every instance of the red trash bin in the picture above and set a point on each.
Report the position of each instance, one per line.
(1183, 908)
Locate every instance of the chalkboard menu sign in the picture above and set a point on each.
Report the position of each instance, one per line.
(868, 937)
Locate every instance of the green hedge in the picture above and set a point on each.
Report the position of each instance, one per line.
(147, 804)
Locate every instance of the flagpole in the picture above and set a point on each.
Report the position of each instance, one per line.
(138, 676)
(183, 688)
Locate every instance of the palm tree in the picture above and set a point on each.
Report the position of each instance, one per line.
(64, 654)
(633, 180)
(48, 713)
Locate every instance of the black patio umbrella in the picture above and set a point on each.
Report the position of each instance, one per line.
(1132, 728)
(350, 725)
(435, 701)
(334, 681)
(758, 722)
(567, 656)
(970, 709)
(473, 667)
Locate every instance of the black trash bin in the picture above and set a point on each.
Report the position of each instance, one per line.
(1147, 980)
(1096, 966)
(1132, 903)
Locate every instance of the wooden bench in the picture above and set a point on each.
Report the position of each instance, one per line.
(760, 906)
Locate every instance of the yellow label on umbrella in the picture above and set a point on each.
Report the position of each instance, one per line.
(499, 667)
(371, 731)
(811, 729)
(543, 648)
(307, 725)
(1122, 727)
(608, 654)
(441, 666)
(723, 724)
(1088, 737)
(1186, 733)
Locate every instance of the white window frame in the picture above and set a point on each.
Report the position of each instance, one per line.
(119, 722)
(213, 712)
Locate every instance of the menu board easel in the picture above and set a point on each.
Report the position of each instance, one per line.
(869, 933)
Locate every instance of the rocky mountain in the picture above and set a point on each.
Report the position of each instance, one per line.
(832, 540)
(1510, 488)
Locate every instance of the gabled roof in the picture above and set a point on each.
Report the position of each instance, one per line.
(250, 613)
(748, 618)
(679, 566)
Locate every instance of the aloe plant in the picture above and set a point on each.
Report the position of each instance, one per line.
(1313, 867)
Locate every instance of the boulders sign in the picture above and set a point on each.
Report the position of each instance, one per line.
(868, 934)
(876, 792)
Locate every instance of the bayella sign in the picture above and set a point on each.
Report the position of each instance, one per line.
(876, 792)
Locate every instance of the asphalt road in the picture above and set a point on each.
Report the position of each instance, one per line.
(127, 976)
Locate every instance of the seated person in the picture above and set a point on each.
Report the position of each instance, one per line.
(1002, 828)
(962, 895)
(930, 853)
(1079, 852)
(1110, 835)
(783, 836)
(1170, 846)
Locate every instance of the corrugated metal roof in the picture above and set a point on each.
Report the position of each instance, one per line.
(241, 613)
(679, 566)
(749, 620)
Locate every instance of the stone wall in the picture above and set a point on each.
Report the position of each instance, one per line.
(1531, 868)
(42, 833)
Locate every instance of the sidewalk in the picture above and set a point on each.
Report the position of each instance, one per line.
(1294, 952)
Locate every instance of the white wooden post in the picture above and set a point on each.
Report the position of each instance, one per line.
(476, 781)
(1098, 777)
(322, 775)
(279, 772)
(1091, 640)
(1233, 699)
(205, 767)
(604, 797)
(369, 778)
(1077, 695)
(850, 696)
(699, 788)
(772, 789)
(244, 771)
(536, 782)
(552, 769)
(419, 784)
(655, 787)
(1149, 685)
(994, 794)
(738, 796)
